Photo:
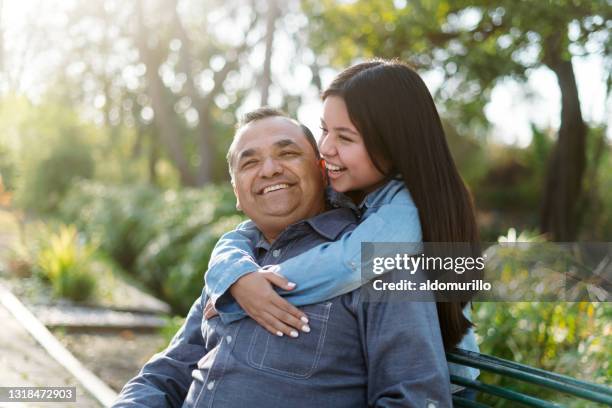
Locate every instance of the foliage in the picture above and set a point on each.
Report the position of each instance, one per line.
(65, 261)
(163, 238)
(53, 154)
(473, 43)
(559, 337)
(7, 169)
(169, 330)
(596, 207)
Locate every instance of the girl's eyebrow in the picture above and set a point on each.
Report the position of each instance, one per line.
(345, 129)
(341, 128)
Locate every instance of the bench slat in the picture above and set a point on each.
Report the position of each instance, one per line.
(601, 389)
(503, 392)
(459, 402)
(582, 389)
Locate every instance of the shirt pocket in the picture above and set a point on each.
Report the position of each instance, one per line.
(287, 356)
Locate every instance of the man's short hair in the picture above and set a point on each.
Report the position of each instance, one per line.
(263, 113)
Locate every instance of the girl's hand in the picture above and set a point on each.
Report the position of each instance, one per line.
(255, 294)
(210, 311)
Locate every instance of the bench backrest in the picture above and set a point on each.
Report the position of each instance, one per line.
(568, 385)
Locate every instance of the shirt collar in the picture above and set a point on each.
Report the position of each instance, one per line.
(329, 224)
(337, 199)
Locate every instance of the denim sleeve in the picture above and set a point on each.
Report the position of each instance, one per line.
(334, 268)
(165, 379)
(231, 258)
(404, 354)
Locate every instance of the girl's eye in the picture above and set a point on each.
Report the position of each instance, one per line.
(345, 138)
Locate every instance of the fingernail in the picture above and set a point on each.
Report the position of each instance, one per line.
(304, 319)
(279, 334)
(294, 333)
(291, 285)
(306, 328)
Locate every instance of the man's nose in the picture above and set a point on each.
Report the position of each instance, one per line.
(270, 167)
(326, 146)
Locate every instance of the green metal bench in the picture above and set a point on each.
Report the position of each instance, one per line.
(568, 385)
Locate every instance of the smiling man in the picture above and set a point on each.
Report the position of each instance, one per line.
(275, 173)
(351, 354)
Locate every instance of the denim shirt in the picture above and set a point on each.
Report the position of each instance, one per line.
(357, 354)
(387, 214)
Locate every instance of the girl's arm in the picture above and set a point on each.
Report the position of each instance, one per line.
(331, 269)
(232, 257)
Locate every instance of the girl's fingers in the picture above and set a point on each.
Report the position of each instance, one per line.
(297, 316)
(287, 319)
(277, 327)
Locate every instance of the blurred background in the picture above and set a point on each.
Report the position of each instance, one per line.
(115, 117)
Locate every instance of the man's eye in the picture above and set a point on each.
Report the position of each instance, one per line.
(289, 154)
(323, 130)
(248, 163)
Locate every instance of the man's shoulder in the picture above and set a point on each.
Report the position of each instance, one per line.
(333, 223)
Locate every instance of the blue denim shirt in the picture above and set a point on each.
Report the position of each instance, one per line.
(386, 215)
(357, 354)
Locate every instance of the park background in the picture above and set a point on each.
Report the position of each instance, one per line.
(115, 117)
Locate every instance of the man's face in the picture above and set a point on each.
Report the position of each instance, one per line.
(277, 177)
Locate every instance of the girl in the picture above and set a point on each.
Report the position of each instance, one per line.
(383, 146)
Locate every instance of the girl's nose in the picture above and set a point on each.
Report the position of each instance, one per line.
(326, 146)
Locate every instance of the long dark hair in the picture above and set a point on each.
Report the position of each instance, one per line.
(390, 105)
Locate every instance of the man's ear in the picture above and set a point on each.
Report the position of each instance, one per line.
(238, 207)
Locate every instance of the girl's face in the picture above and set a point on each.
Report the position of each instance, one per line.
(348, 163)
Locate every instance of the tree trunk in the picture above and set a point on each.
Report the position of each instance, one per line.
(168, 131)
(266, 76)
(563, 186)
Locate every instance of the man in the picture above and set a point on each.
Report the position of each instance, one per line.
(353, 354)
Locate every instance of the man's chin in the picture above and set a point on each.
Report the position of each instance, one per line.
(279, 212)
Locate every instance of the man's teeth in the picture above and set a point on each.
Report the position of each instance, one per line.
(275, 187)
(333, 167)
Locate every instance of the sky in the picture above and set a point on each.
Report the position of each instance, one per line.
(512, 109)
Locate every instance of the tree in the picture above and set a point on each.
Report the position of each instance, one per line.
(180, 68)
(476, 44)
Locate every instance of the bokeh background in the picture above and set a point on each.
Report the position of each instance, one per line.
(115, 117)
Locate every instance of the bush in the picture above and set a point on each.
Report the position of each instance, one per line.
(163, 238)
(47, 175)
(65, 262)
(7, 169)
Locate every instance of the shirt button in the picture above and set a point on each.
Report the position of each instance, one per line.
(210, 385)
(276, 253)
(228, 339)
(352, 265)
